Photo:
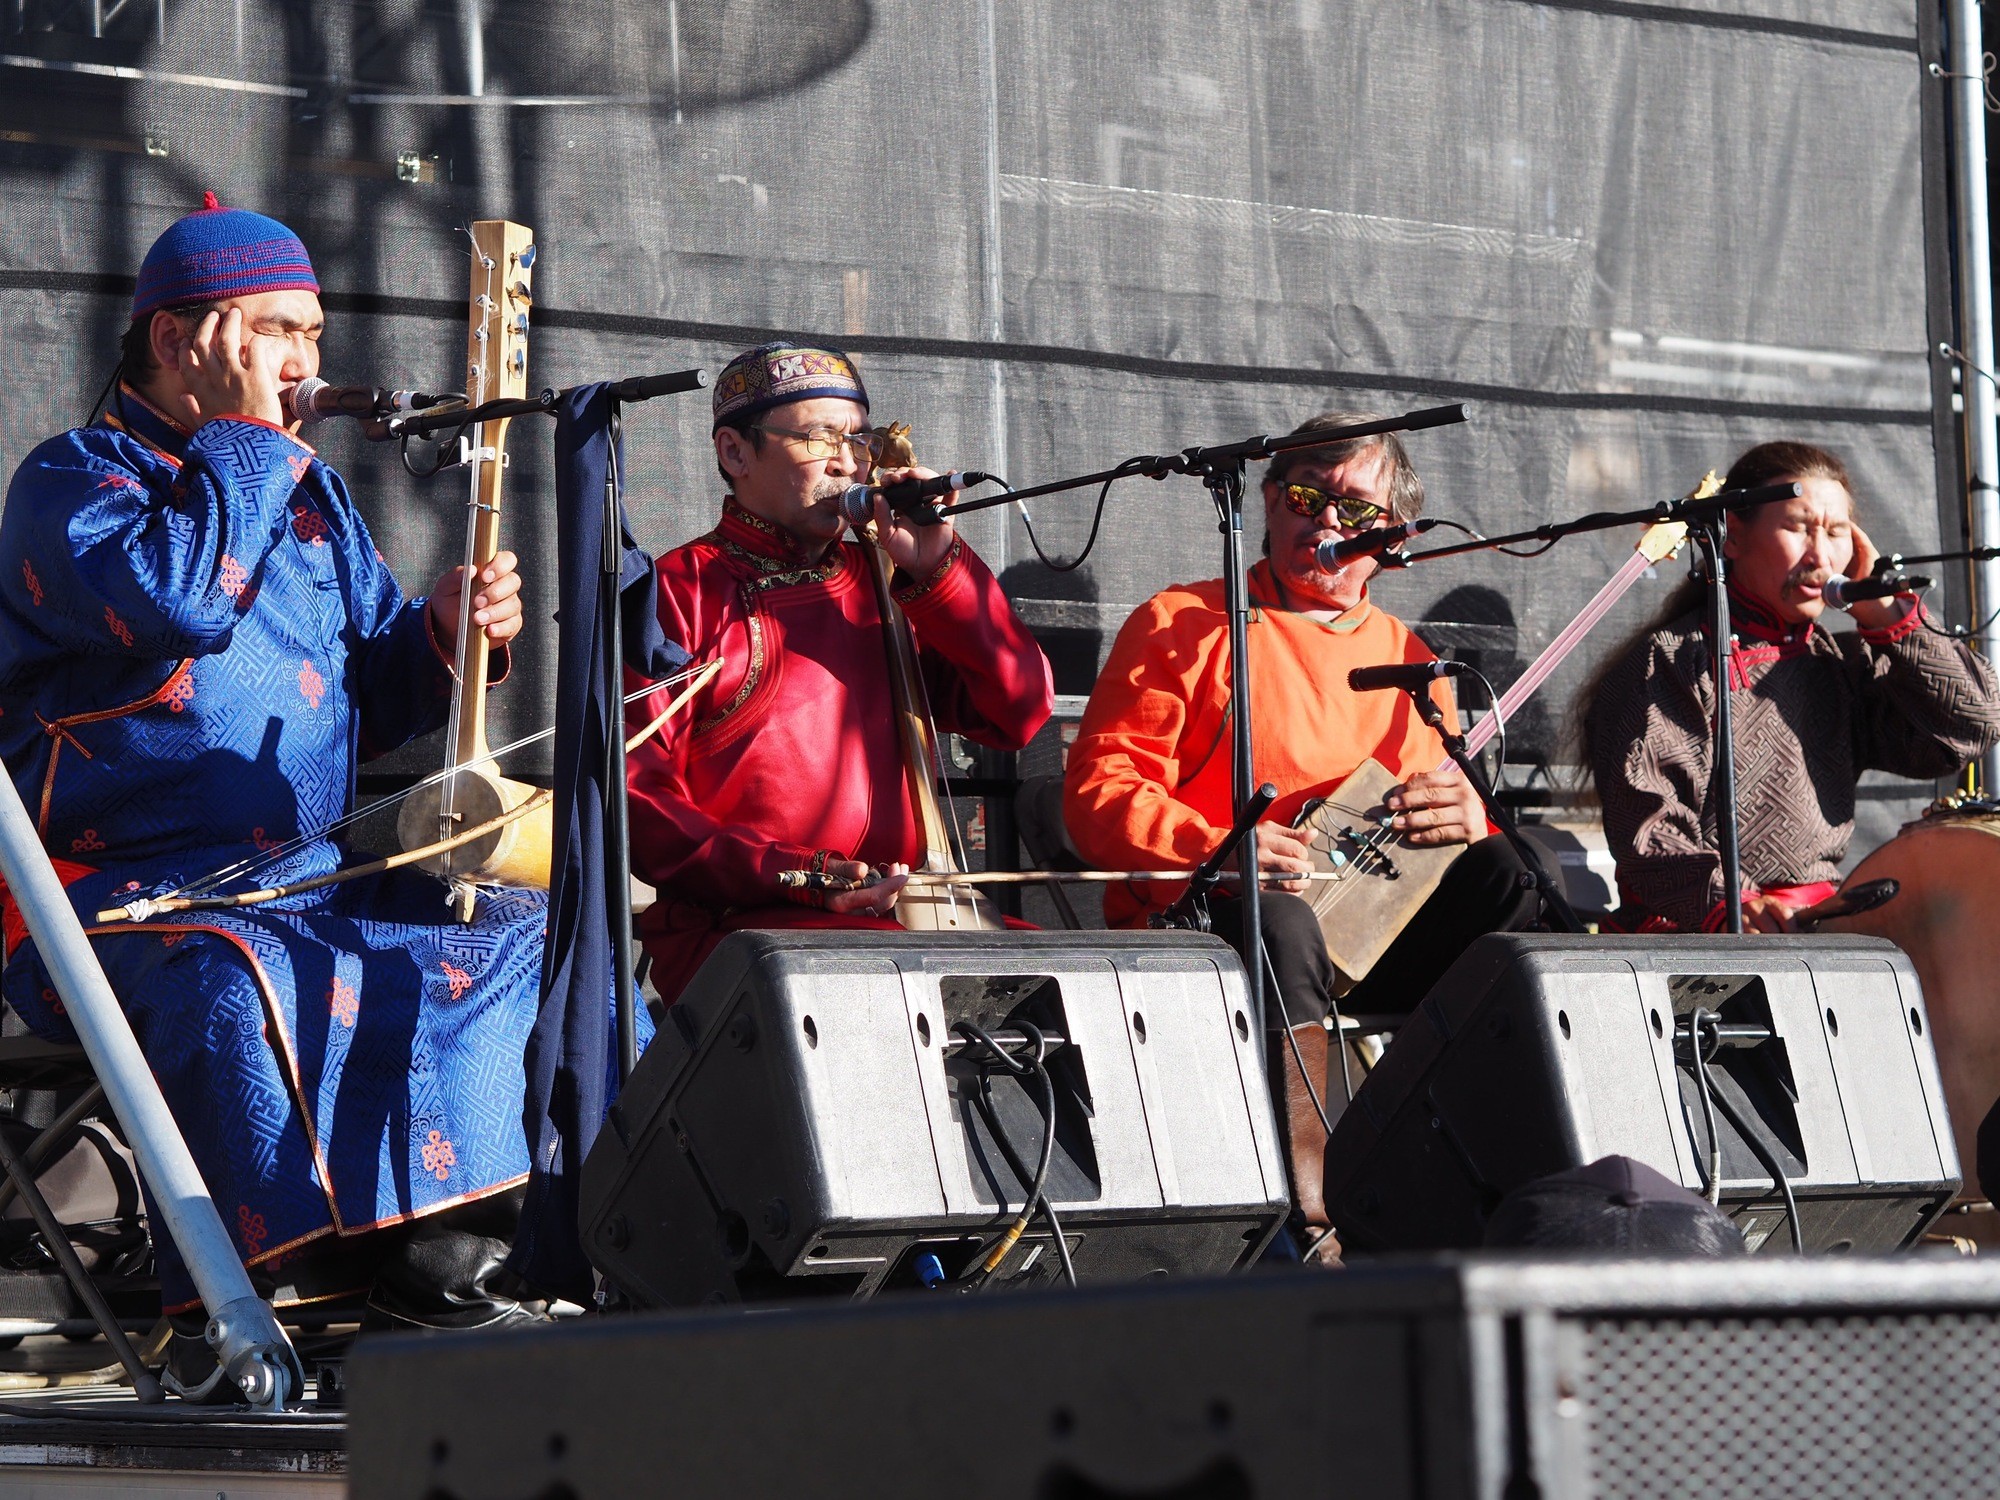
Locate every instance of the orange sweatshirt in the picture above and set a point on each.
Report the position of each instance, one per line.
(1148, 782)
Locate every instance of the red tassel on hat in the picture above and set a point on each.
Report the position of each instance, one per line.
(209, 202)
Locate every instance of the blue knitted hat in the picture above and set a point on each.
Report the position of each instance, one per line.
(219, 252)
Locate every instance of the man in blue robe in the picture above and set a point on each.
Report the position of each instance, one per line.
(198, 643)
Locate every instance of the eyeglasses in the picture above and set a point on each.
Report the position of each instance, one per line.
(822, 442)
(1355, 515)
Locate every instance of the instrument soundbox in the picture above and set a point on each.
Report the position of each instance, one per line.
(1378, 878)
(503, 258)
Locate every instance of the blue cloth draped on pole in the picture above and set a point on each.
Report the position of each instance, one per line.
(571, 1054)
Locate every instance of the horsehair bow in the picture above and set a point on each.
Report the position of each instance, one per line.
(816, 880)
(143, 909)
(691, 681)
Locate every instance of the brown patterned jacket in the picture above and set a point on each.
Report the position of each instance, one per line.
(1811, 710)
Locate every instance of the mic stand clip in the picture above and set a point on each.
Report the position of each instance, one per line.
(1190, 912)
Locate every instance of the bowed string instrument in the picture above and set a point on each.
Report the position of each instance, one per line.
(473, 793)
(466, 823)
(924, 905)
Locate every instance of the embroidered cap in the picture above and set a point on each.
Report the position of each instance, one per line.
(779, 373)
(218, 252)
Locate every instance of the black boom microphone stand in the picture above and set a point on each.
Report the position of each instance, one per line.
(617, 828)
(1562, 916)
(1221, 469)
(1704, 520)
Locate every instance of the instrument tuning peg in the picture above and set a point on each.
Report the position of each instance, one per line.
(521, 324)
(520, 293)
(527, 257)
(520, 361)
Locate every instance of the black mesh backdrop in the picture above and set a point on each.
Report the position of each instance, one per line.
(1635, 238)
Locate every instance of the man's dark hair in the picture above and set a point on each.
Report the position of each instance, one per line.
(751, 433)
(135, 345)
(1406, 490)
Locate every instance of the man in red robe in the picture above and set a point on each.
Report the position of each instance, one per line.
(791, 758)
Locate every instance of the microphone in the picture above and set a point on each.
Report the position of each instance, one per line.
(907, 497)
(1843, 592)
(1412, 675)
(646, 387)
(1333, 555)
(314, 400)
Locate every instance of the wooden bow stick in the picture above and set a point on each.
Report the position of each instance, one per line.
(143, 909)
(813, 880)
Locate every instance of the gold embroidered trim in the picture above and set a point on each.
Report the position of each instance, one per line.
(775, 572)
(913, 594)
(752, 674)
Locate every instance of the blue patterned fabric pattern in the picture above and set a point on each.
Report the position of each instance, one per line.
(198, 644)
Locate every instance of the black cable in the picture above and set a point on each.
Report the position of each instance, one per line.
(1701, 1088)
(984, 1100)
(1956, 632)
(1511, 552)
(1038, 1189)
(1499, 729)
(1340, 1040)
(1285, 1020)
(105, 394)
(1131, 468)
(1754, 1137)
(447, 445)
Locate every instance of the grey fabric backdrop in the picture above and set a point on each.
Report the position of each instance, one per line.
(1635, 238)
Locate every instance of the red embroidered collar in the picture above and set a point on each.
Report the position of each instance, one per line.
(758, 536)
(1753, 620)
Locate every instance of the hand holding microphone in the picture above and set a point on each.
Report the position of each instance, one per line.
(1844, 593)
(917, 540)
(909, 497)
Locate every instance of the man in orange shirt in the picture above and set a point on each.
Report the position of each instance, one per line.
(1149, 781)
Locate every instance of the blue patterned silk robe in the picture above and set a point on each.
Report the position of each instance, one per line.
(198, 643)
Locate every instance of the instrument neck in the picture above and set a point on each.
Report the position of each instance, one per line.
(472, 654)
(913, 728)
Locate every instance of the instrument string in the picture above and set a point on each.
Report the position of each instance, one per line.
(478, 382)
(947, 811)
(267, 857)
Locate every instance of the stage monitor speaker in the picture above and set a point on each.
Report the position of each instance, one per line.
(1534, 1054)
(1428, 1380)
(810, 1122)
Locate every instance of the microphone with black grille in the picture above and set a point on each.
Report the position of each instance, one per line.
(1408, 675)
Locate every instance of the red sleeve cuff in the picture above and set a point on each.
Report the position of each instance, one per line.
(1717, 919)
(952, 562)
(1902, 630)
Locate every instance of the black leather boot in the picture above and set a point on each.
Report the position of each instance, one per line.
(448, 1272)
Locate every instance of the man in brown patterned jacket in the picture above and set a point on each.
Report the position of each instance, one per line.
(1811, 711)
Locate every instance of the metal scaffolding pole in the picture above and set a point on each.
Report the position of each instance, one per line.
(1965, 80)
(244, 1333)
